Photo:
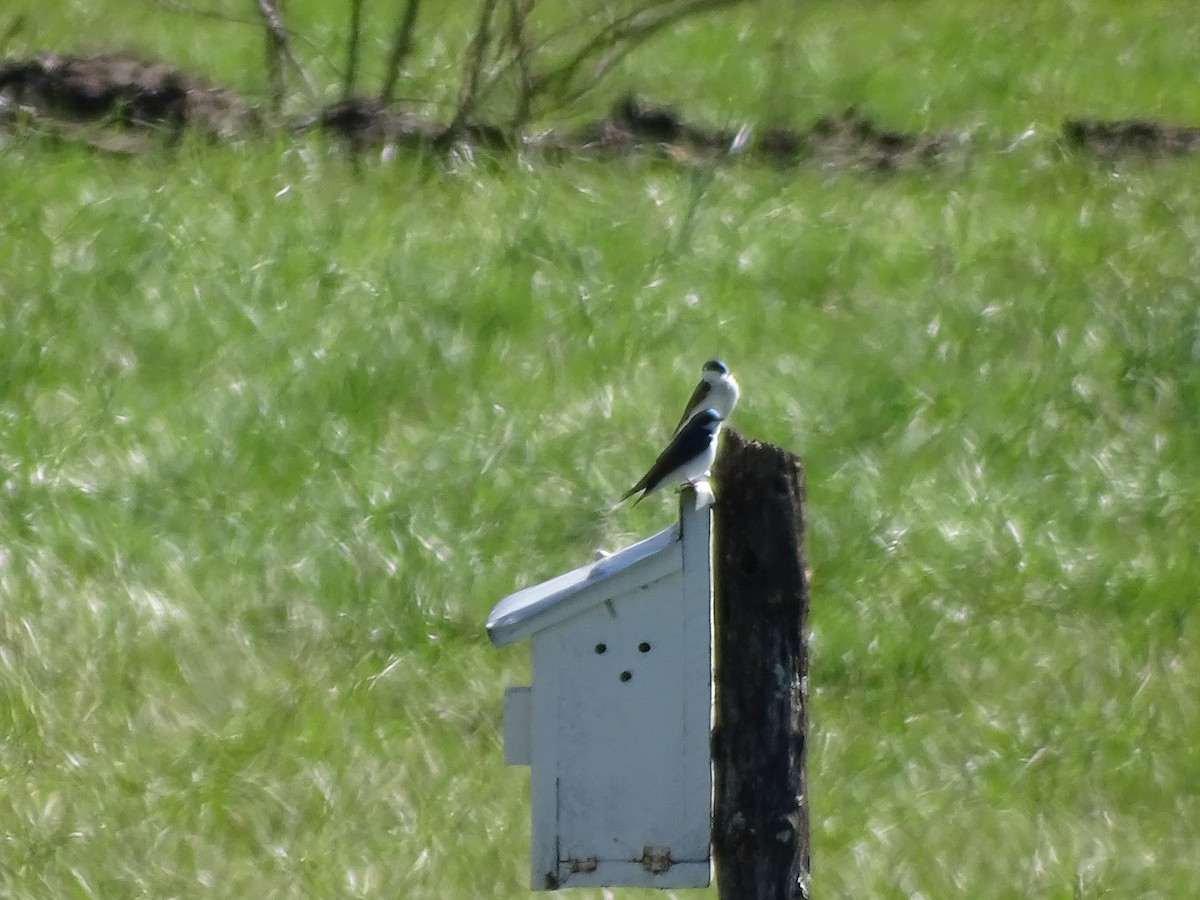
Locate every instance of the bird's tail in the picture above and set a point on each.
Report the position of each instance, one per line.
(640, 486)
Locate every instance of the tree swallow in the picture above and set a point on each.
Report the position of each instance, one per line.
(717, 390)
(687, 458)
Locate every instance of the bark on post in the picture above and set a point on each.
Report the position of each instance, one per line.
(760, 816)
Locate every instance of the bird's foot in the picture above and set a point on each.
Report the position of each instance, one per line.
(704, 494)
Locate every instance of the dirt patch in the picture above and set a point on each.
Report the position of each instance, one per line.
(854, 139)
(846, 140)
(633, 127)
(121, 90)
(116, 94)
(126, 103)
(368, 124)
(1132, 137)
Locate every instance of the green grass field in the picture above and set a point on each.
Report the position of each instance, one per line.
(277, 431)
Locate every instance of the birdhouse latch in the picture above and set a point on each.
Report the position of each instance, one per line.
(656, 860)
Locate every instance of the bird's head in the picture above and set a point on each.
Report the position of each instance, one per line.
(716, 367)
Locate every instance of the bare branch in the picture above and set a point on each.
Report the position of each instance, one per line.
(352, 49)
(279, 48)
(274, 70)
(401, 47)
(616, 40)
(183, 9)
(518, 16)
(611, 43)
(469, 91)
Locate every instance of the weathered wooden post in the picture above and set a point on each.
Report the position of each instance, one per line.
(761, 810)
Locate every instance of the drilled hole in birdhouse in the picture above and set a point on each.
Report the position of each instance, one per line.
(625, 676)
(643, 647)
(600, 648)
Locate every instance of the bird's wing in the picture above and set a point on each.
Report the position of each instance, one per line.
(688, 443)
(702, 390)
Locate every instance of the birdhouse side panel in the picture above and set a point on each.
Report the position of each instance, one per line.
(623, 733)
(549, 663)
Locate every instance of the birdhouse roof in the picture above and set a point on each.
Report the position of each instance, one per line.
(536, 608)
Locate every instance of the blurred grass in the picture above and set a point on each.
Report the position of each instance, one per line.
(276, 432)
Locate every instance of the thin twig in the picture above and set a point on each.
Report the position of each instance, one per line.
(469, 91)
(401, 46)
(184, 9)
(518, 16)
(631, 30)
(352, 49)
(778, 90)
(281, 48)
(274, 57)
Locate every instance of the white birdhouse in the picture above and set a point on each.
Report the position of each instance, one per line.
(616, 724)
